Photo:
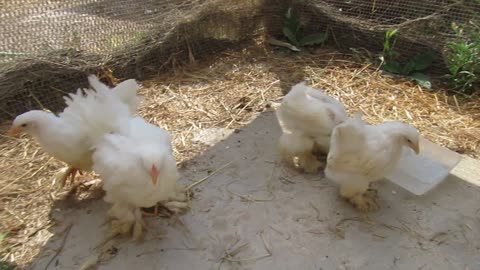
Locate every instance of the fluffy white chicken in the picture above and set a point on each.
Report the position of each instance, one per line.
(361, 154)
(63, 137)
(138, 169)
(307, 117)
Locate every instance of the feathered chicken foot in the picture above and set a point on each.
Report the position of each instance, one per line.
(357, 196)
(364, 202)
(62, 176)
(176, 207)
(309, 162)
(118, 227)
(138, 226)
(180, 194)
(133, 223)
(173, 206)
(154, 214)
(125, 227)
(287, 156)
(177, 202)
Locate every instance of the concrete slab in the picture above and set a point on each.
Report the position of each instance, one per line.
(468, 169)
(270, 217)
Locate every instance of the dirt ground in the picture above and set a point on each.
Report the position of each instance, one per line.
(254, 213)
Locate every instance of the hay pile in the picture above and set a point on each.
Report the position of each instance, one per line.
(229, 91)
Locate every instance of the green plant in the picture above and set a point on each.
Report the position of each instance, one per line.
(293, 31)
(413, 68)
(389, 43)
(462, 58)
(3, 236)
(6, 265)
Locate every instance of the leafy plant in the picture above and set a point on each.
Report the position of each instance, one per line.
(6, 265)
(3, 236)
(413, 68)
(293, 31)
(389, 43)
(462, 58)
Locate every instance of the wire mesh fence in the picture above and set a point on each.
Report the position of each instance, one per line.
(47, 47)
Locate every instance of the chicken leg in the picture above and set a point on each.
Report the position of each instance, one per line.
(62, 175)
(357, 195)
(176, 204)
(153, 214)
(138, 226)
(119, 227)
(294, 147)
(180, 194)
(178, 201)
(173, 206)
(126, 220)
(309, 162)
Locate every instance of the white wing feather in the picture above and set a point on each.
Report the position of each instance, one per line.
(126, 91)
(311, 113)
(97, 112)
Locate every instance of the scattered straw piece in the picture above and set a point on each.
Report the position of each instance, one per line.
(208, 176)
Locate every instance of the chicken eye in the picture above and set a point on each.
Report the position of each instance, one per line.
(23, 125)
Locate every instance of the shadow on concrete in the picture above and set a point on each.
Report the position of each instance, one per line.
(299, 219)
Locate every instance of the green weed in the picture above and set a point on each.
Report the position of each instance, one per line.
(413, 68)
(293, 31)
(463, 58)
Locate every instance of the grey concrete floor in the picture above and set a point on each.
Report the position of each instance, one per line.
(257, 214)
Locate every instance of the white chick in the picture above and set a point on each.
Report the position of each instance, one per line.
(138, 170)
(64, 137)
(361, 154)
(307, 117)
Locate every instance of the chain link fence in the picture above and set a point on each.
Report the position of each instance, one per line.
(48, 47)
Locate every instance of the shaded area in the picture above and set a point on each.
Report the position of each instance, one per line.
(277, 213)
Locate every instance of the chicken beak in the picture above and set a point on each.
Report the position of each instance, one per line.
(154, 174)
(415, 147)
(14, 131)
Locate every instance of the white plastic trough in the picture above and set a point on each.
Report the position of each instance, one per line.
(421, 173)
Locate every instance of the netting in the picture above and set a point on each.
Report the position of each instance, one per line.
(47, 47)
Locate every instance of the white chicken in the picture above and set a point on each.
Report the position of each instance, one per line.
(307, 117)
(62, 137)
(138, 169)
(361, 154)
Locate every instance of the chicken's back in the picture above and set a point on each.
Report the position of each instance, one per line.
(141, 130)
(126, 91)
(96, 113)
(310, 111)
(361, 152)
